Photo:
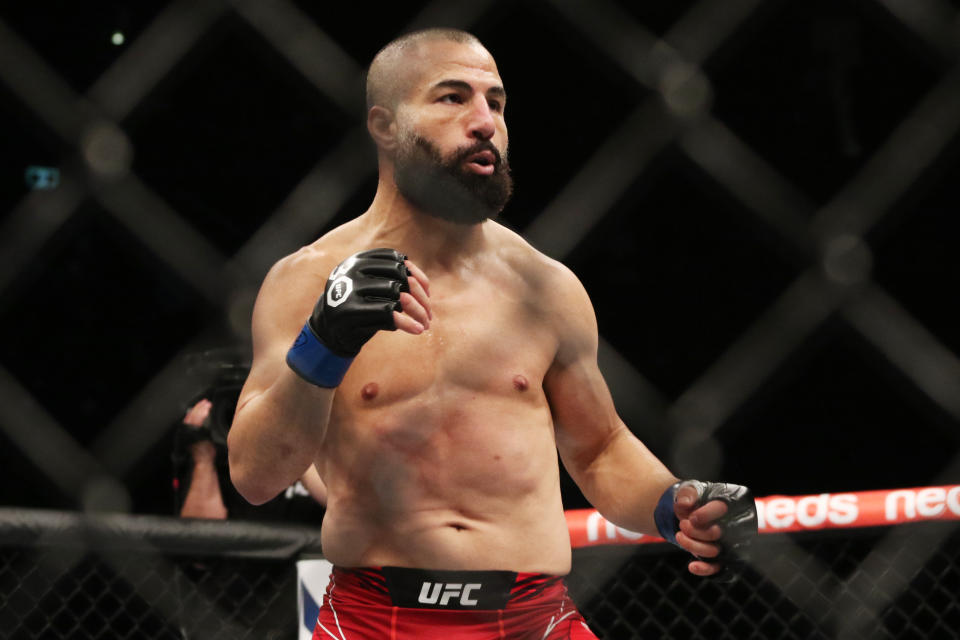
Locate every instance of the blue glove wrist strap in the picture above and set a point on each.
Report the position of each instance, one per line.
(664, 516)
(314, 362)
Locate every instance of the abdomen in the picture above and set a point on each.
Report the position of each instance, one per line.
(454, 477)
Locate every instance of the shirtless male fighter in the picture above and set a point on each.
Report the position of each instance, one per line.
(438, 442)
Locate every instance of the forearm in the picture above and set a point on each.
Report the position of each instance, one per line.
(204, 499)
(624, 481)
(276, 436)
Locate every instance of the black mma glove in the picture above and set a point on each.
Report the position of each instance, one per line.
(739, 523)
(360, 297)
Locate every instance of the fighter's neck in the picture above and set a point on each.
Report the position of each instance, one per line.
(396, 223)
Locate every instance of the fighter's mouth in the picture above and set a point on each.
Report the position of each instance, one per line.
(482, 161)
(483, 158)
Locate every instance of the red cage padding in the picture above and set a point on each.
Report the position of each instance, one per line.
(779, 514)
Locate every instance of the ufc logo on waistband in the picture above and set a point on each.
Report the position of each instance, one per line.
(431, 592)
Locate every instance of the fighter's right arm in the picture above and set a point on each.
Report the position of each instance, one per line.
(283, 410)
(281, 418)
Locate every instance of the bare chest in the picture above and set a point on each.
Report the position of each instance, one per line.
(454, 410)
(482, 340)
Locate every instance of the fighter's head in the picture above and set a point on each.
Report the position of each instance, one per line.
(435, 105)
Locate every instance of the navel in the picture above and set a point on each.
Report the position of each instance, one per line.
(369, 391)
(520, 383)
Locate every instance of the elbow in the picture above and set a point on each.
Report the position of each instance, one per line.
(242, 483)
(246, 481)
(248, 488)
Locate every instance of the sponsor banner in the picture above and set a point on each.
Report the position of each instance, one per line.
(778, 514)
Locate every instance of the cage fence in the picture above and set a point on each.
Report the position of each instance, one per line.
(49, 591)
(650, 594)
(71, 578)
(65, 575)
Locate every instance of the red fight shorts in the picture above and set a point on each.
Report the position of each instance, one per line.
(391, 603)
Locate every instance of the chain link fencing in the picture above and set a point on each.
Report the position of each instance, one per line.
(69, 578)
(652, 596)
(92, 596)
(64, 575)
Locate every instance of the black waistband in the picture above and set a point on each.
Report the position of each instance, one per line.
(431, 589)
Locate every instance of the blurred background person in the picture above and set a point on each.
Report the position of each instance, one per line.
(202, 487)
(201, 480)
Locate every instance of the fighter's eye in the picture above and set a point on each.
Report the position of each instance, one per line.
(453, 98)
(495, 105)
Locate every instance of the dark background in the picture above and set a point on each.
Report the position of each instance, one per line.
(679, 266)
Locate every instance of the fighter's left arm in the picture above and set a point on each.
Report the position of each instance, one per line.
(627, 484)
(615, 471)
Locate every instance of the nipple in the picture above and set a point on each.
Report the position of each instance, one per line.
(369, 391)
(520, 383)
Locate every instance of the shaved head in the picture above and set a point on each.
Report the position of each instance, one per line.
(435, 109)
(393, 71)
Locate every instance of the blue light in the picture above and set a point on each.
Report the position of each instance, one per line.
(42, 178)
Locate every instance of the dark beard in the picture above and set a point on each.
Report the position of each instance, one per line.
(444, 189)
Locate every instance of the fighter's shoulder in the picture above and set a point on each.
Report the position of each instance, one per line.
(291, 288)
(539, 271)
(304, 262)
(315, 260)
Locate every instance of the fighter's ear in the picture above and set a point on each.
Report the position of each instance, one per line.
(382, 125)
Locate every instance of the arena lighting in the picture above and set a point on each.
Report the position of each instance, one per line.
(118, 38)
(42, 178)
